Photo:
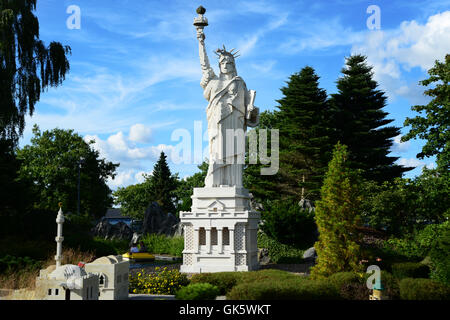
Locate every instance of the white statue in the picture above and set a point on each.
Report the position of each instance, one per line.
(230, 111)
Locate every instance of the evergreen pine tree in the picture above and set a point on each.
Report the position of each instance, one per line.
(337, 216)
(163, 185)
(304, 129)
(360, 123)
(305, 147)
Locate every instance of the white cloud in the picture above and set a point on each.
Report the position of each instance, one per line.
(411, 45)
(400, 147)
(414, 162)
(123, 178)
(140, 133)
(410, 162)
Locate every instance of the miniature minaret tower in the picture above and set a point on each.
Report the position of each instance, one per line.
(59, 238)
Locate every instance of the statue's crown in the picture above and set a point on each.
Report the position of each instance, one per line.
(223, 52)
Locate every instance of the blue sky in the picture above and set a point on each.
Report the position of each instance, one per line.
(135, 72)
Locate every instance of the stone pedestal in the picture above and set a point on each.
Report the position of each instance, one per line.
(220, 231)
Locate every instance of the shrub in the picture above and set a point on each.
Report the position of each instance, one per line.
(299, 289)
(278, 252)
(224, 281)
(423, 289)
(289, 224)
(410, 270)
(197, 291)
(162, 244)
(340, 278)
(440, 257)
(355, 291)
(163, 281)
(417, 245)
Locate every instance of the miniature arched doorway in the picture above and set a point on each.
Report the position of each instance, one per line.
(67, 295)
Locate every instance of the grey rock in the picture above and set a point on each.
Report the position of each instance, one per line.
(119, 231)
(310, 255)
(263, 256)
(158, 222)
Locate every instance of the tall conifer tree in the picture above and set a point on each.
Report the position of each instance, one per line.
(305, 147)
(360, 122)
(337, 216)
(163, 185)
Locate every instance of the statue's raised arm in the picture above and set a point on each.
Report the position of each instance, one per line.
(200, 23)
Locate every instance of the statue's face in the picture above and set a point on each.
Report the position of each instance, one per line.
(227, 65)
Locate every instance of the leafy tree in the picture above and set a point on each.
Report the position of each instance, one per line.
(337, 218)
(434, 125)
(159, 186)
(134, 199)
(186, 187)
(360, 123)
(404, 205)
(51, 162)
(27, 66)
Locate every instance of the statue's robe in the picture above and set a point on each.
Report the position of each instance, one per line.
(227, 110)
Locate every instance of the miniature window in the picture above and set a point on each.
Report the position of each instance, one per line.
(202, 236)
(213, 236)
(226, 236)
(49, 292)
(56, 292)
(102, 280)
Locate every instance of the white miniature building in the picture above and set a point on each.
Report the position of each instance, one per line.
(112, 272)
(220, 231)
(66, 282)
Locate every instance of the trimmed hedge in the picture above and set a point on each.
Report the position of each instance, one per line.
(197, 291)
(299, 289)
(423, 289)
(224, 281)
(410, 270)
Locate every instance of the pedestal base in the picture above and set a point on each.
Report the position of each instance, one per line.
(220, 231)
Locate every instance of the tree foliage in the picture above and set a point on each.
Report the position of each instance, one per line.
(159, 186)
(305, 147)
(403, 205)
(337, 218)
(185, 188)
(434, 125)
(360, 123)
(50, 164)
(27, 65)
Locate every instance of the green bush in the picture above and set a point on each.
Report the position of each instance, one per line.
(423, 289)
(298, 289)
(278, 252)
(410, 270)
(224, 281)
(417, 245)
(197, 291)
(10, 263)
(289, 224)
(340, 278)
(440, 257)
(162, 244)
(355, 291)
